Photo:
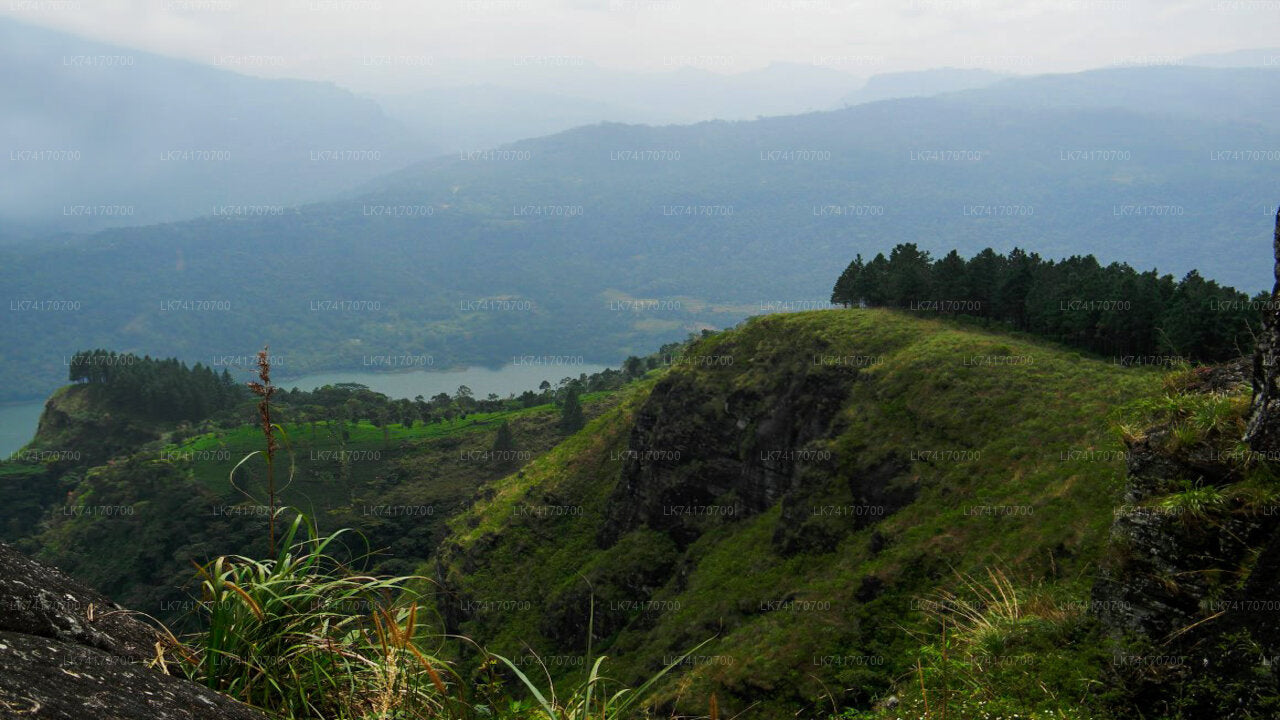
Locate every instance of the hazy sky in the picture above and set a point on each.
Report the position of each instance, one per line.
(400, 44)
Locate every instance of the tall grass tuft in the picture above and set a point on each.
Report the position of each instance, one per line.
(303, 637)
(1195, 503)
(983, 611)
(982, 662)
(597, 697)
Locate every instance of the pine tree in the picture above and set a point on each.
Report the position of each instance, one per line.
(951, 283)
(910, 275)
(872, 284)
(845, 293)
(1015, 284)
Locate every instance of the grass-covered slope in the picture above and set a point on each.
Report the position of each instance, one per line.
(800, 490)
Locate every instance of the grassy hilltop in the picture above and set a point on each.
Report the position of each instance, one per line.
(944, 451)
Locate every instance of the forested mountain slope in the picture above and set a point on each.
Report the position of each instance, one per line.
(613, 239)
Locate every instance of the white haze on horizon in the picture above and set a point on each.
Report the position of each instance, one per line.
(388, 46)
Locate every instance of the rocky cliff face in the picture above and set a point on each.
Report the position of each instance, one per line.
(67, 652)
(1196, 578)
(1168, 562)
(739, 431)
(77, 423)
(1264, 422)
(1191, 593)
(708, 446)
(744, 429)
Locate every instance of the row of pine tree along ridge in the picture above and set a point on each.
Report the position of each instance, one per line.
(1109, 309)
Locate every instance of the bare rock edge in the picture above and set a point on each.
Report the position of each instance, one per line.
(67, 651)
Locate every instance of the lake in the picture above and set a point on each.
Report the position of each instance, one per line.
(18, 425)
(18, 421)
(502, 380)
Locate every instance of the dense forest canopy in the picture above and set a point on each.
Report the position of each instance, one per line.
(160, 389)
(1110, 309)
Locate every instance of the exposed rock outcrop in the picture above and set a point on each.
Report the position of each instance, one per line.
(77, 417)
(700, 452)
(68, 652)
(1201, 583)
(1263, 434)
(1166, 563)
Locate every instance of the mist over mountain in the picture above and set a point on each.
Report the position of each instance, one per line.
(558, 94)
(96, 135)
(1254, 57)
(100, 135)
(484, 116)
(1088, 162)
(532, 96)
(617, 237)
(1245, 98)
(922, 83)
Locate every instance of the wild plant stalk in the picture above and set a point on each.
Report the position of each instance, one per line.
(946, 690)
(304, 636)
(264, 389)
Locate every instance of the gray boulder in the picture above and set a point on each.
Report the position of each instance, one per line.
(67, 651)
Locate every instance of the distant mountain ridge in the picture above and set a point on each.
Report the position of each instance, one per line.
(96, 135)
(1252, 57)
(704, 223)
(923, 83)
(540, 96)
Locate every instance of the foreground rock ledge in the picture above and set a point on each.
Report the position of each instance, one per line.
(69, 652)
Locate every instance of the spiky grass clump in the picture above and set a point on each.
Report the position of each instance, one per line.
(981, 615)
(303, 637)
(597, 697)
(996, 652)
(1193, 419)
(1194, 504)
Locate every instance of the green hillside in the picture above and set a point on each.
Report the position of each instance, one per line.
(799, 491)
